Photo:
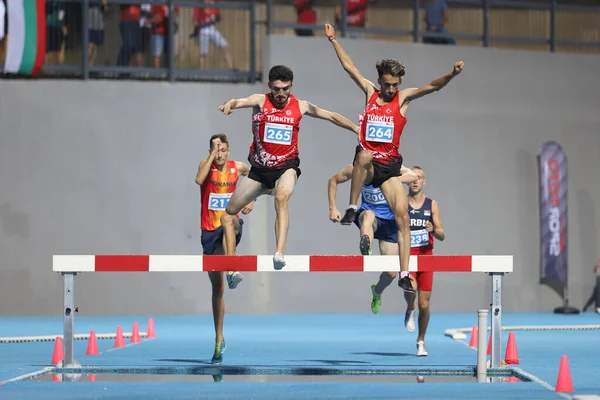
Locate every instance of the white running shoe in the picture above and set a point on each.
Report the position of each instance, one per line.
(278, 262)
(233, 278)
(421, 350)
(409, 320)
(598, 310)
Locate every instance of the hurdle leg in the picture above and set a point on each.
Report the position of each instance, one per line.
(496, 313)
(69, 317)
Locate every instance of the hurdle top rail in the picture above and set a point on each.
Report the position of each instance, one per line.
(70, 265)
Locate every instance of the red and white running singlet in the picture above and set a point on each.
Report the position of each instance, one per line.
(381, 128)
(275, 132)
(215, 193)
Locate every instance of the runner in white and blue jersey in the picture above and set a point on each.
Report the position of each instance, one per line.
(374, 217)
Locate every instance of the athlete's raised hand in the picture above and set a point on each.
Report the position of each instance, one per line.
(458, 67)
(429, 227)
(334, 215)
(226, 108)
(329, 31)
(214, 147)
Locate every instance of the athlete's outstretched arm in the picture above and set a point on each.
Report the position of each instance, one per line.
(435, 85)
(341, 176)
(347, 62)
(254, 100)
(316, 112)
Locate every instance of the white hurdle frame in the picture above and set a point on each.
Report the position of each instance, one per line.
(495, 266)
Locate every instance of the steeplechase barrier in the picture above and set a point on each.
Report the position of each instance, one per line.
(71, 265)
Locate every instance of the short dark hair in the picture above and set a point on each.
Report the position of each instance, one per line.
(221, 136)
(419, 168)
(281, 73)
(390, 67)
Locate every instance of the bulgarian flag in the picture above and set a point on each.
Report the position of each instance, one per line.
(26, 36)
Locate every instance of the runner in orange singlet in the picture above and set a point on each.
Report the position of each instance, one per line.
(221, 233)
(274, 159)
(377, 160)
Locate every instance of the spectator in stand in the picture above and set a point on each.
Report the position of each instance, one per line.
(306, 15)
(205, 31)
(3, 35)
(356, 16)
(160, 27)
(436, 17)
(131, 36)
(96, 20)
(56, 32)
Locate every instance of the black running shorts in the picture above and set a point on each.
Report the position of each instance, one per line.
(382, 171)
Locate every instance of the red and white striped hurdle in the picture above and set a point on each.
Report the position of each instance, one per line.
(70, 265)
(199, 263)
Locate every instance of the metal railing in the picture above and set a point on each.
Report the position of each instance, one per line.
(550, 8)
(179, 48)
(543, 25)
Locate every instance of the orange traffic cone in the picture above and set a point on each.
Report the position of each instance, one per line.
(92, 349)
(59, 354)
(512, 379)
(563, 381)
(512, 355)
(150, 332)
(474, 334)
(119, 341)
(135, 334)
(92, 377)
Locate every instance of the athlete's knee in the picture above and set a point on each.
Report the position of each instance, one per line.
(423, 303)
(367, 217)
(227, 220)
(364, 158)
(403, 221)
(230, 210)
(281, 198)
(218, 288)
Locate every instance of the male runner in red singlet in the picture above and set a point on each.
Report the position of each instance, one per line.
(273, 154)
(425, 225)
(217, 177)
(377, 160)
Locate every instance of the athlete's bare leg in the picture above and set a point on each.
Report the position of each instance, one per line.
(368, 226)
(386, 249)
(283, 190)
(386, 278)
(362, 173)
(231, 227)
(424, 313)
(246, 191)
(218, 302)
(397, 199)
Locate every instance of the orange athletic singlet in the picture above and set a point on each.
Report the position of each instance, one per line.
(215, 193)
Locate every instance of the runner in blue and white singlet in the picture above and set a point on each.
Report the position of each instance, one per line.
(374, 218)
